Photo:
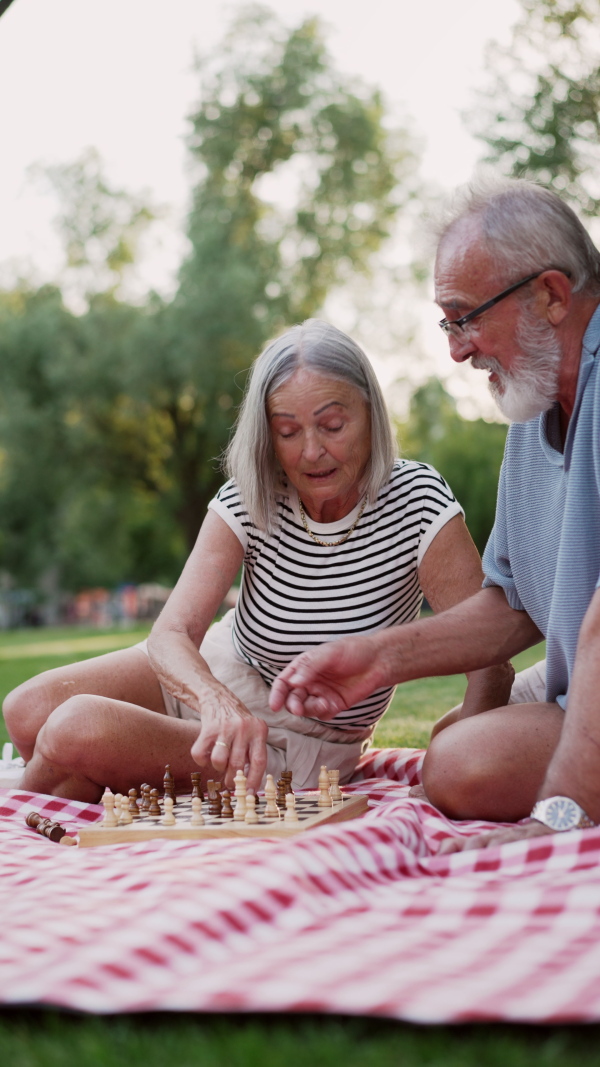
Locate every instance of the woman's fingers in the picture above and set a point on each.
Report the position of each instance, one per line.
(240, 743)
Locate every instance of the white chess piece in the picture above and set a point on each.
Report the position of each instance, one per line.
(197, 818)
(334, 787)
(125, 816)
(108, 800)
(291, 815)
(271, 809)
(251, 815)
(239, 813)
(324, 800)
(168, 818)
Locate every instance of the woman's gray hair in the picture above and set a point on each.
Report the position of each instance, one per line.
(250, 457)
(526, 228)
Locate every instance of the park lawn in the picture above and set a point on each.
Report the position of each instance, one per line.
(56, 1039)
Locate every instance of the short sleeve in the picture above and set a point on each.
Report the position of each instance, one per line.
(229, 506)
(496, 560)
(438, 506)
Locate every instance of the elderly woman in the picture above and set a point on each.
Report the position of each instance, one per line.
(336, 537)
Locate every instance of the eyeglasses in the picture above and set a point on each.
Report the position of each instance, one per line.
(456, 328)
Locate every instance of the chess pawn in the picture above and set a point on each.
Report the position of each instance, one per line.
(154, 808)
(133, 805)
(251, 815)
(214, 798)
(271, 810)
(145, 797)
(168, 818)
(239, 813)
(196, 785)
(334, 787)
(169, 784)
(291, 815)
(108, 800)
(281, 792)
(125, 816)
(197, 818)
(287, 778)
(227, 810)
(324, 800)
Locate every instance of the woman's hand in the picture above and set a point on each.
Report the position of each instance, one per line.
(230, 738)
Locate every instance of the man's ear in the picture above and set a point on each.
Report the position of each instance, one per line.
(554, 296)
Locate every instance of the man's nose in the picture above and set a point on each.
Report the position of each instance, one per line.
(461, 348)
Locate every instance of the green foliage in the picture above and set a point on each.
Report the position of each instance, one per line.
(548, 80)
(112, 422)
(468, 453)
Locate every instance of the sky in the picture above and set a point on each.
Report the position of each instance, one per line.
(119, 76)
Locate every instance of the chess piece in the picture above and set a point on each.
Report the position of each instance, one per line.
(251, 814)
(108, 800)
(287, 778)
(291, 815)
(169, 784)
(145, 797)
(271, 810)
(240, 796)
(227, 810)
(168, 818)
(324, 800)
(52, 830)
(154, 808)
(214, 798)
(197, 818)
(125, 816)
(196, 785)
(334, 787)
(281, 792)
(133, 805)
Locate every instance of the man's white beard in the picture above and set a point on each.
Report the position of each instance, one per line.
(531, 386)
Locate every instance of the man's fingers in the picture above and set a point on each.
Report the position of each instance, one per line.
(278, 695)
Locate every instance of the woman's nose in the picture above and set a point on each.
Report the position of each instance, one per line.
(313, 446)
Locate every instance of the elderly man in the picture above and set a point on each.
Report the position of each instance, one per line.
(518, 280)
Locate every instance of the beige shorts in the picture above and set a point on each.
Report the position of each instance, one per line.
(293, 743)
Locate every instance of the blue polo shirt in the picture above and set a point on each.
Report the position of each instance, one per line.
(544, 549)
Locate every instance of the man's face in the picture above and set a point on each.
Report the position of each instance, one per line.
(520, 350)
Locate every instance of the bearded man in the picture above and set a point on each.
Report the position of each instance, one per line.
(518, 280)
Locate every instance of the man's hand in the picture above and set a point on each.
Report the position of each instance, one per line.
(330, 678)
(494, 837)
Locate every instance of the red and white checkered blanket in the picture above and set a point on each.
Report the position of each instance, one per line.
(357, 918)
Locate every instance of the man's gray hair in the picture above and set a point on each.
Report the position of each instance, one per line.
(526, 228)
(250, 457)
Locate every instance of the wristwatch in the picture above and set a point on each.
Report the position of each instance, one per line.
(560, 814)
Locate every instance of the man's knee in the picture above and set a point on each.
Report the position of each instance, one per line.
(452, 779)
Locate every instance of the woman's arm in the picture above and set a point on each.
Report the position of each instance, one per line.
(173, 650)
(450, 571)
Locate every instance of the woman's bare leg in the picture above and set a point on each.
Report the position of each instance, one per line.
(491, 766)
(91, 741)
(124, 676)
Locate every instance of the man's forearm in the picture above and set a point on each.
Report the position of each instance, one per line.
(479, 632)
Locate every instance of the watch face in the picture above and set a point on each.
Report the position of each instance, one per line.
(562, 814)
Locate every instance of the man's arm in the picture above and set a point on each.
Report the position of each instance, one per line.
(479, 632)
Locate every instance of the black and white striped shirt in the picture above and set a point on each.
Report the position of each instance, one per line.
(296, 594)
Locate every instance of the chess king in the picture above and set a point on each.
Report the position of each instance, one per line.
(336, 536)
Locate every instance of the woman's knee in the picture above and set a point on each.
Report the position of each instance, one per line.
(24, 708)
(71, 730)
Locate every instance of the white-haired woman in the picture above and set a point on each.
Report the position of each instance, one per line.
(335, 537)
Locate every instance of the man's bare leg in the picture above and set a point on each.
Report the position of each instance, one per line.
(124, 676)
(491, 766)
(89, 742)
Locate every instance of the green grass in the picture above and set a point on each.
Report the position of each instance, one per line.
(55, 1039)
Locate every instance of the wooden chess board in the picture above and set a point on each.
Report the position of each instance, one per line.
(149, 827)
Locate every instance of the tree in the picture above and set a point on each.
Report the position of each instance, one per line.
(468, 452)
(548, 79)
(299, 183)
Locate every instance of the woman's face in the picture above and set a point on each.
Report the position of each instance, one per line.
(321, 432)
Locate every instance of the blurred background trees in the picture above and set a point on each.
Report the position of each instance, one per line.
(114, 409)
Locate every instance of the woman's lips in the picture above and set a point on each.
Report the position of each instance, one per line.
(320, 474)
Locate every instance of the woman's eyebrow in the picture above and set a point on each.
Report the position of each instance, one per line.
(330, 404)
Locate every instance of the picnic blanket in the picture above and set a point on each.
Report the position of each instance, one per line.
(357, 918)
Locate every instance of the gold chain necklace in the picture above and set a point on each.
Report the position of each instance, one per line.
(330, 544)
